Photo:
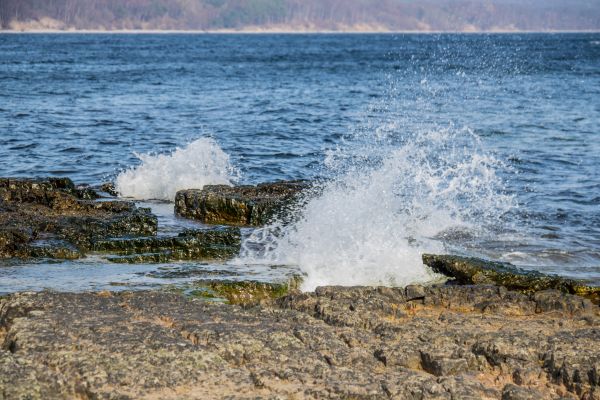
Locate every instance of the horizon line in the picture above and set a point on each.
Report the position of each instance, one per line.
(282, 31)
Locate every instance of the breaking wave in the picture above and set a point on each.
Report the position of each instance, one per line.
(160, 176)
(389, 200)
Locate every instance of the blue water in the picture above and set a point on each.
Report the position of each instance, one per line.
(81, 105)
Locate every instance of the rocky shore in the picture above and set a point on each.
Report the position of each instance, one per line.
(442, 342)
(492, 331)
(52, 218)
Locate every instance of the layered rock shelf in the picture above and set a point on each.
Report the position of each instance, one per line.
(470, 271)
(53, 218)
(213, 244)
(238, 205)
(442, 342)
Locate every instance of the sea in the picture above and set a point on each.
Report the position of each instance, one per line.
(483, 145)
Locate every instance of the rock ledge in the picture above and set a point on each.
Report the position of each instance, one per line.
(442, 342)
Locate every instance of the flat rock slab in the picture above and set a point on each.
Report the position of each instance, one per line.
(469, 271)
(445, 342)
(213, 244)
(238, 205)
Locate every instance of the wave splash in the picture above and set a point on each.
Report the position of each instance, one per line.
(388, 202)
(160, 176)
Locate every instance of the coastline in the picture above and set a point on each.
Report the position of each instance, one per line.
(472, 337)
(284, 32)
(140, 287)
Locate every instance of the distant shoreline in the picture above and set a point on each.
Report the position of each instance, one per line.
(275, 31)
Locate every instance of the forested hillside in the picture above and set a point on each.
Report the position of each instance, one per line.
(301, 15)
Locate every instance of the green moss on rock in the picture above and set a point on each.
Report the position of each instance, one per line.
(245, 293)
(475, 271)
(215, 244)
(64, 217)
(239, 205)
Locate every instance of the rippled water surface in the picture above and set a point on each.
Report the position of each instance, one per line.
(293, 106)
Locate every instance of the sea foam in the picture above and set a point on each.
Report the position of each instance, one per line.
(388, 203)
(160, 176)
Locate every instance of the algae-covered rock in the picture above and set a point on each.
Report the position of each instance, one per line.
(42, 191)
(214, 244)
(53, 218)
(239, 205)
(56, 249)
(109, 188)
(470, 271)
(246, 293)
(12, 239)
(107, 219)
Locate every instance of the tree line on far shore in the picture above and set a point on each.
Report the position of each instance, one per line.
(420, 15)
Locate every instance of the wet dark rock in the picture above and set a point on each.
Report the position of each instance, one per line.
(214, 244)
(13, 240)
(469, 271)
(113, 221)
(42, 191)
(340, 343)
(52, 218)
(238, 205)
(57, 249)
(109, 188)
(86, 192)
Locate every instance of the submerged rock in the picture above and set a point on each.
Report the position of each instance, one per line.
(238, 205)
(469, 271)
(442, 342)
(54, 218)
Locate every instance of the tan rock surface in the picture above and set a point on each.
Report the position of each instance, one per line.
(447, 342)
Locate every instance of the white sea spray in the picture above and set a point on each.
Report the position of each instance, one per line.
(389, 201)
(160, 176)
